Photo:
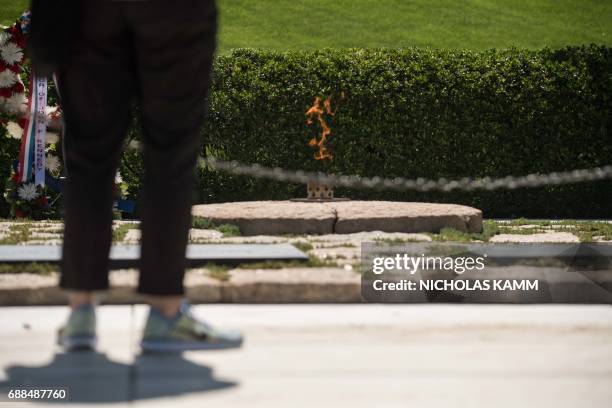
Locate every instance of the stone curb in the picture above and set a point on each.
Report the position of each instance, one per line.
(295, 285)
(291, 285)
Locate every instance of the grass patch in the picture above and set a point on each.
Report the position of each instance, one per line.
(451, 234)
(521, 231)
(121, 231)
(586, 231)
(228, 230)
(302, 24)
(201, 223)
(18, 233)
(303, 246)
(489, 229)
(218, 272)
(395, 241)
(333, 245)
(519, 222)
(312, 262)
(342, 245)
(10, 10)
(59, 231)
(33, 267)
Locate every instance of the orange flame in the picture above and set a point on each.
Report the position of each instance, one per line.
(316, 111)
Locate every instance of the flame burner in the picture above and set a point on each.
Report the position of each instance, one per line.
(319, 192)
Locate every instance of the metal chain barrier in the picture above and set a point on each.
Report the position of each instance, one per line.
(418, 184)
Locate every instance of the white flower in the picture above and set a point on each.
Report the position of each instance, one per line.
(54, 118)
(27, 192)
(11, 53)
(4, 36)
(7, 79)
(51, 110)
(16, 103)
(52, 163)
(14, 130)
(51, 138)
(118, 179)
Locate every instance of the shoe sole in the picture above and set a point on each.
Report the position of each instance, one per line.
(78, 343)
(163, 346)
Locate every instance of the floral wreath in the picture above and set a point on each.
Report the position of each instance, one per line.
(25, 198)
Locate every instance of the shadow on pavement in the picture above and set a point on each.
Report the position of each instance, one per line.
(92, 377)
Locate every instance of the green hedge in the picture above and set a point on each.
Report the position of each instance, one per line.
(420, 113)
(416, 113)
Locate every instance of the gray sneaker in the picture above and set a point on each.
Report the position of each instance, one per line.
(184, 332)
(79, 332)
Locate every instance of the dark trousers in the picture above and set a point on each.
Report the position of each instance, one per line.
(158, 53)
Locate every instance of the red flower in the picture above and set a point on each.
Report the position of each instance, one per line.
(43, 201)
(21, 42)
(57, 114)
(18, 86)
(19, 214)
(17, 36)
(12, 30)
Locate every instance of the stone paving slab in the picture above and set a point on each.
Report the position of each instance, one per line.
(546, 237)
(125, 256)
(330, 356)
(45, 233)
(287, 217)
(330, 284)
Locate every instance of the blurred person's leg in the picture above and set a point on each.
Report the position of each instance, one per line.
(174, 43)
(95, 87)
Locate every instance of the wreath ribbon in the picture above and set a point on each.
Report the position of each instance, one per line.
(32, 153)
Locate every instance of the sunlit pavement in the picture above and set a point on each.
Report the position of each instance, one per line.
(328, 356)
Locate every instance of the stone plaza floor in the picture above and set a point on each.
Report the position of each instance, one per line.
(328, 356)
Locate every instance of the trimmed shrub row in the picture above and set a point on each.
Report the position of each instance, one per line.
(420, 113)
(415, 113)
